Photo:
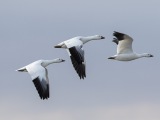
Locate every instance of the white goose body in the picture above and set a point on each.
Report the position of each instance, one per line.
(39, 75)
(129, 56)
(74, 47)
(73, 42)
(124, 48)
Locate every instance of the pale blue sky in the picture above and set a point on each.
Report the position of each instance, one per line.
(112, 90)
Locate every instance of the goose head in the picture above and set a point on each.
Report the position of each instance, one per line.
(97, 37)
(58, 60)
(146, 55)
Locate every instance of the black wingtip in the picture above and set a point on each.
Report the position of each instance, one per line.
(43, 92)
(79, 67)
(118, 35)
(78, 62)
(115, 32)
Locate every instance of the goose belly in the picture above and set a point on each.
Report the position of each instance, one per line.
(126, 57)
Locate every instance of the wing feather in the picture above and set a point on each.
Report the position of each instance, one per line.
(39, 76)
(78, 61)
(124, 42)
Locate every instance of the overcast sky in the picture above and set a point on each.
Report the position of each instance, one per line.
(112, 90)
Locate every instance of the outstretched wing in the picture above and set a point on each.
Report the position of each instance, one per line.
(76, 54)
(40, 79)
(124, 43)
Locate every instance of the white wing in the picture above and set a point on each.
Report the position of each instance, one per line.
(40, 79)
(124, 43)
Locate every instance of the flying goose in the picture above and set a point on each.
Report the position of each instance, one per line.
(39, 75)
(124, 48)
(74, 47)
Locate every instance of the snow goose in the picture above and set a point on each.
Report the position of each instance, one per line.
(39, 75)
(74, 47)
(124, 48)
